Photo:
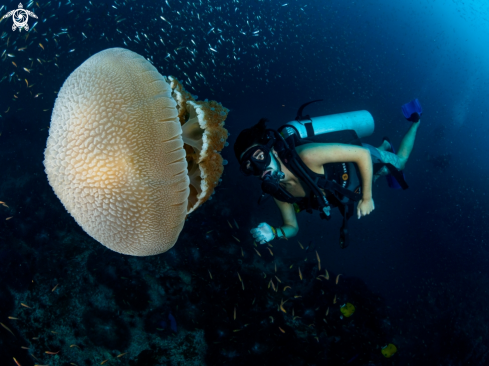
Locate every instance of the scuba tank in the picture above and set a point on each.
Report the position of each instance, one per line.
(305, 127)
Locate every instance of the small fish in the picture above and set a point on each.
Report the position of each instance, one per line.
(300, 274)
(17, 362)
(283, 331)
(235, 313)
(210, 274)
(240, 280)
(300, 245)
(327, 274)
(278, 279)
(319, 260)
(212, 49)
(282, 306)
(27, 70)
(273, 286)
(3, 325)
(334, 300)
(24, 305)
(55, 287)
(231, 226)
(70, 51)
(74, 345)
(327, 311)
(286, 287)
(13, 63)
(51, 353)
(40, 45)
(338, 278)
(104, 361)
(257, 252)
(122, 354)
(3, 204)
(236, 224)
(235, 238)
(11, 317)
(10, 55)
(270, 251)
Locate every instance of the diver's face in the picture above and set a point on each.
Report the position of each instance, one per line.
(258, 161)
(258, 155)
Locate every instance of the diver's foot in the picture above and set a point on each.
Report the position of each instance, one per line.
(386, 145)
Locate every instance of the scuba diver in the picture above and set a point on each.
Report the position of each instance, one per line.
(319, 163)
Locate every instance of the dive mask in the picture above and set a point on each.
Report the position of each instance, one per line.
(256, 160)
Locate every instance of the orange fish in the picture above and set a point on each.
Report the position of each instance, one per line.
(3, 325)
(282, 306)
(40, 44)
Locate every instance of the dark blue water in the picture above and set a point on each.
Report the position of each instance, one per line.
(416, 269)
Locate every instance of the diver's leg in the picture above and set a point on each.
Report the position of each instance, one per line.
(385, 146)
(407, 144)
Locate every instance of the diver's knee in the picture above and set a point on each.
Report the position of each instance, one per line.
(402, 162)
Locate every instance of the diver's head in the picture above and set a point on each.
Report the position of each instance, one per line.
(254, 150)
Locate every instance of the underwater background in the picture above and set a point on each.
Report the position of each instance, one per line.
(416, 268)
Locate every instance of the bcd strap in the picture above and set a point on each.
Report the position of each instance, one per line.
(347, 212)
(309, 129)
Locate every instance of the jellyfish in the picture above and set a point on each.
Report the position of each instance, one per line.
(131, 153)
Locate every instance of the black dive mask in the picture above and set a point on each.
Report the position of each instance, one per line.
(252, 165)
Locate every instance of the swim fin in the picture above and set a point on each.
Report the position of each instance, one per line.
(391, 180)
(412, 111)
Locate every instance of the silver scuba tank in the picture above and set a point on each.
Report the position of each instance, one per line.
(361, 122)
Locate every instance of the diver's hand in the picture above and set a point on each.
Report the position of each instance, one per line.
(263, 233)
(364, 207)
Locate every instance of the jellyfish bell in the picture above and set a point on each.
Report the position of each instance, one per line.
(130, 153)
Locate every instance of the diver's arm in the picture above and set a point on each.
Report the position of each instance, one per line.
(290, 227)
(317, 154)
